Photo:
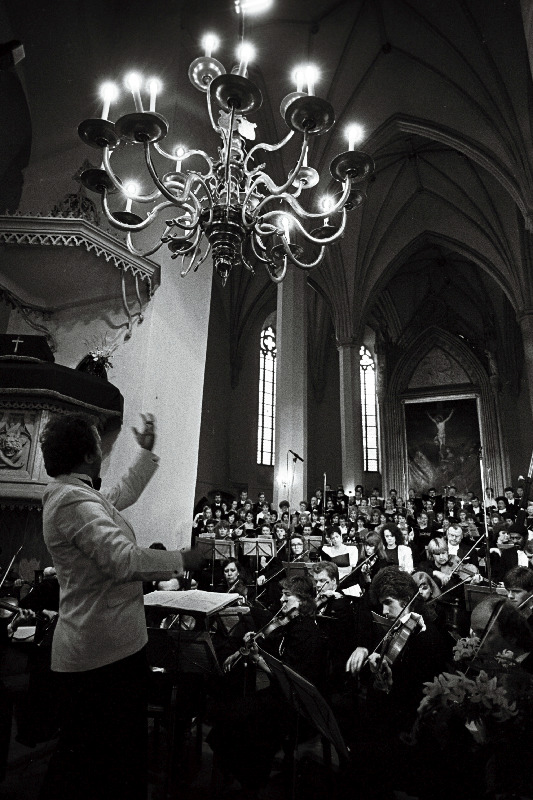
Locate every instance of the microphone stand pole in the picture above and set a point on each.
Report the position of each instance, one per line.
(487, 544)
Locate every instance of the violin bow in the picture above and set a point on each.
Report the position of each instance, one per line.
(357, 566)
(10, 565)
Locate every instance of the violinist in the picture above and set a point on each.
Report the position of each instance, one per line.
(234, 578)
(519, 584)
(298, 549)
(247, 735)
(335, 616)
(506, 551)
(395, 678)
(458, 547)
(372, 549)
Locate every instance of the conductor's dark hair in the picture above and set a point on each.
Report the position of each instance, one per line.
(65, 441)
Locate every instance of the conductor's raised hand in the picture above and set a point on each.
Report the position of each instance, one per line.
(146, 437)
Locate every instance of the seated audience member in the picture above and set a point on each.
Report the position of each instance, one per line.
(519, 584)
(344, 556)
(396, 552)
(423, 533)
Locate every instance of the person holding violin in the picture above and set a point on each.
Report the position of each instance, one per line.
(409, 654)
(519, 585)
(247, 735)
(336, 619)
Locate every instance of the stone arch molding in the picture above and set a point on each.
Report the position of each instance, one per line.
(436, 364)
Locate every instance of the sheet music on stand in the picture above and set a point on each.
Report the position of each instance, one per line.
(297, 568)
(307, 701)
(193, 601)
(215, 549)
(257, 547)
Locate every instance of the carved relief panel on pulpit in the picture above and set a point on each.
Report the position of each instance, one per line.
(18, 439)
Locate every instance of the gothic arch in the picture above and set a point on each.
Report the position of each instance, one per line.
(467, 377)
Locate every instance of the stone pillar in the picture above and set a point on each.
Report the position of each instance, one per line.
(351, 414)
(525, 320)
(290, 476)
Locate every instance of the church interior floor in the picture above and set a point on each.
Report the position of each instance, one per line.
(27, 766)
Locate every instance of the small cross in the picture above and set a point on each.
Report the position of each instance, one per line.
(16, 342)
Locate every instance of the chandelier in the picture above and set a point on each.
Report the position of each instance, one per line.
(226, 204)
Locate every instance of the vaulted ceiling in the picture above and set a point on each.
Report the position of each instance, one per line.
(442, 88)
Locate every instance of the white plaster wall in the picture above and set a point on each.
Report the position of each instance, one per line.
(159, 370)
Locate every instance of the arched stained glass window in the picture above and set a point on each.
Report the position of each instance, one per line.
(267, 397)
(369, 410)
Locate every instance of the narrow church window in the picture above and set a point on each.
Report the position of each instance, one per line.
(368, 407)
(267, 397)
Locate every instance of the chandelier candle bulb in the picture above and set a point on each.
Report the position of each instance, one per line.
(299, 78)
(354, 134)
(180, 152)
(210, 43)
(245, 54)
(154, 88)
(133, 83)
(311, 74)
(286, 229)
(108, 93)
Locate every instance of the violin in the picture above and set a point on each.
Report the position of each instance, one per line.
(9, 608)
(456, 566)
(278, 620)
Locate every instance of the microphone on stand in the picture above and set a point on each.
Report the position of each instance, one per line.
(296, 456)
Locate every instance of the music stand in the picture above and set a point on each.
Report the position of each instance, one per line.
(215, 550)
(314, 545)
(257, 547)
(307, 702)
(296, 568)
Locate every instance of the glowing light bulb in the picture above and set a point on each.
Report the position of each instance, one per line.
(327, 204)
(154, 87)
(298, 76)
(133, 82)
(179, 152)
(355, 133)
(131, 189)
(311, 76)
(286, 228)
(245, 54)
(210, 42)
(251, 6)
(108, 93)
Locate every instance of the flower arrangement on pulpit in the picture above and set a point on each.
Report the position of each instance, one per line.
(98, 359)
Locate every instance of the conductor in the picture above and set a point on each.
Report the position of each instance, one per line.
(99, 645)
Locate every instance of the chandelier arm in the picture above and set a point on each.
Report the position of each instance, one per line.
(273, 188)
(299, 210)
(174, 199)
(255, 244)
(292, 258)
(203, 258)
(216, 127)
(131, 247)
(246, 264)
(123, 226)
(277, 278)
(142, 198)
(187, 154)
(270, 147)
(295, 221)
